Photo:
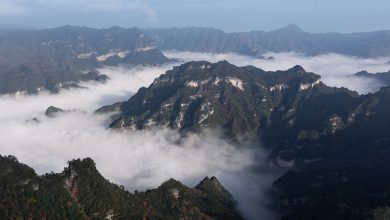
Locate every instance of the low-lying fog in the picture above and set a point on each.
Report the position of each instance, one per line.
(144, 159)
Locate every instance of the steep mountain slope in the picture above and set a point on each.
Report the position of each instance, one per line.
(334, 141)
(347, 175)
(287, 39)
(80, 192)
(240, 100)
(52, 59)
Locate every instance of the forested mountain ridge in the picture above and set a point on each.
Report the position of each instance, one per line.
(81, 192)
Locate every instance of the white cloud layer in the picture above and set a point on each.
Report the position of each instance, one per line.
(335, 69)
(145, 159)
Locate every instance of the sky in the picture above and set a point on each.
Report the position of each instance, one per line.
(229, 15)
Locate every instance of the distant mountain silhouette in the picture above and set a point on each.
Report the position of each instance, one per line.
(288, 39)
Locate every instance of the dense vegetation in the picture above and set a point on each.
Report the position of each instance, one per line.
(80, 192)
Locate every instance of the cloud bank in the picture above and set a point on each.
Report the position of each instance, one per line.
(137, 160)
(335, 69)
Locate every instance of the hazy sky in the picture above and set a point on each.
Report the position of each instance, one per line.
(229, 15)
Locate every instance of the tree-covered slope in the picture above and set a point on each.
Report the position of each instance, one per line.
(81, 192)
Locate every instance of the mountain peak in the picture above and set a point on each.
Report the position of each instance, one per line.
(363, 73)
(213, 181)
(84, 164)
(52, 111)
(298, 69)
(210, 183)
(213, 186)
(172, 183)
(292, 27)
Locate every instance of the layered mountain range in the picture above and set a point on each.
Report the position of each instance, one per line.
(52, 59)
(57, 58)
(288, 39)
(81, 192)
(333, 141)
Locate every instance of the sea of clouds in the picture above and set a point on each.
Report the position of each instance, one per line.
(144, 159)
(137, 160)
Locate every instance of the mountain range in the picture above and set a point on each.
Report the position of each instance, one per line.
(332, 140)
(57, 58)
(288, 39)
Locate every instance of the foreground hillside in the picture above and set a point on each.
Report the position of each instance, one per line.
(81, 192)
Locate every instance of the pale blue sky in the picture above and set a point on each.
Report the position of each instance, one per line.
(229, 15)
